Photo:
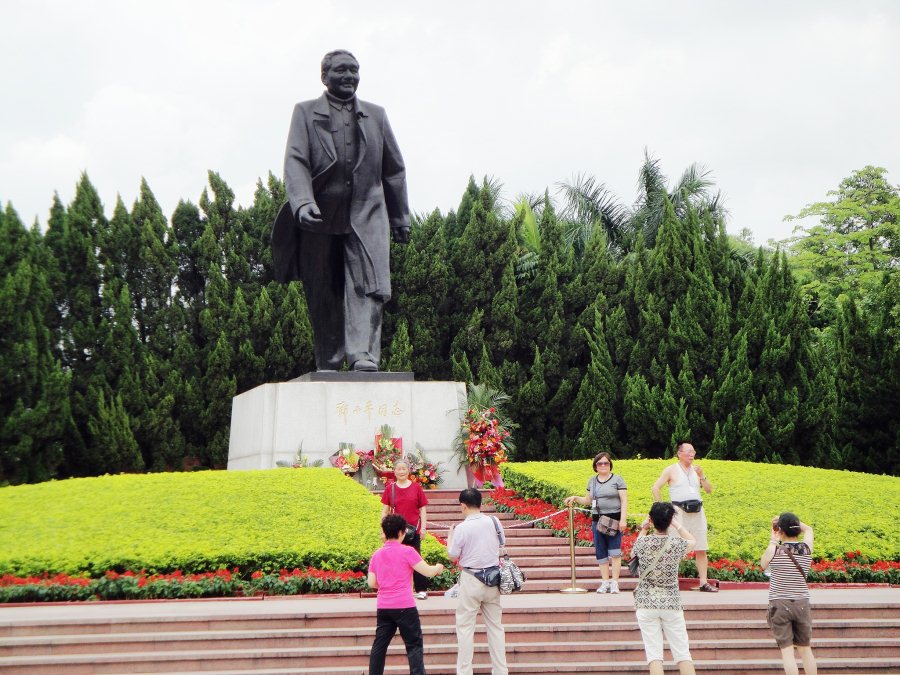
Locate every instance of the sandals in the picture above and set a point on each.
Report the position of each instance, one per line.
(707, 588)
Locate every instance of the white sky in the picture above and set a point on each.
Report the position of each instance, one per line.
(781, 100)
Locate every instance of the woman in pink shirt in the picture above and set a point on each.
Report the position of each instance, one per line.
(407, 498)
(390, 572)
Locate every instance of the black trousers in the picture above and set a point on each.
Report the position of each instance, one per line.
(346, 322)
(420, 581)
(389, 620)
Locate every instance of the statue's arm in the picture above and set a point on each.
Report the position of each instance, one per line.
(297, 162)
(393, 180)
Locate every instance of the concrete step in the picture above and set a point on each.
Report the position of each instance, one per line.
(302, 658)
(756, 667)
(603, 609)
(584, 632)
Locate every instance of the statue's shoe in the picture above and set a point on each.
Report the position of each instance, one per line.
(364, 366)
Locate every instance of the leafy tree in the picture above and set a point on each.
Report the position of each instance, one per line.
(856, 241)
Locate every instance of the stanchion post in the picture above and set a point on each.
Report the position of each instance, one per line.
(573, 588)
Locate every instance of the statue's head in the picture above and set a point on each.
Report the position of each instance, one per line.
(340, 73)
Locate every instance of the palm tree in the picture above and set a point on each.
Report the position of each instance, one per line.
(589, 204)
(693, 190)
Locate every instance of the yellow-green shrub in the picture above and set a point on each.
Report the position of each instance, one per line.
(193, 522)
(848, 511)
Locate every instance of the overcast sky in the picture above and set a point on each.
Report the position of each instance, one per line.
(780, 100)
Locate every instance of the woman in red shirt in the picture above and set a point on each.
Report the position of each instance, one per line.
(408, 499)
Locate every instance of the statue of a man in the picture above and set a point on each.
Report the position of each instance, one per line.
(346, 190)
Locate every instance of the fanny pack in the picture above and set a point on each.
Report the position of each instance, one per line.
(690, 506)
(489, 576)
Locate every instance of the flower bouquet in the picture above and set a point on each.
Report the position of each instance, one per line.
(485, 439)
(422, 471)
(350, 460)
(388, 449)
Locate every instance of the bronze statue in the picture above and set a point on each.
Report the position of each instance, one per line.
(346, 190)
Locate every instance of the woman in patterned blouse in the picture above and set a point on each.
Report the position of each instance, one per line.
(657, 601)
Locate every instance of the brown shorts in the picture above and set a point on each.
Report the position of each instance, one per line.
(790, 621)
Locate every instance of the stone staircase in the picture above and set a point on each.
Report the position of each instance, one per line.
(855, 631)
(545, 558)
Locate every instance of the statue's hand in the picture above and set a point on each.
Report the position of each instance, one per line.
(400, 234)
(309, 214)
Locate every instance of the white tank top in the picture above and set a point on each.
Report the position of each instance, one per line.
(685, 486)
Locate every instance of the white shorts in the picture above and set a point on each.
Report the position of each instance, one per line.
(654, 623)
(695, 523)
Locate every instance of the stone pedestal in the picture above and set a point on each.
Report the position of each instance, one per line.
(273, 421)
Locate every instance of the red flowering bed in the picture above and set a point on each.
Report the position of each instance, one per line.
(851, 567)
(142, 586)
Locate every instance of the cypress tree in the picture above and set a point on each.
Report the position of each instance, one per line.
(487, 374)
(422, 297)
(592, 419)
(219, 387)
(291, 351)
(162, 437)
(154, 273)
(34, 404)
(400, 352)
(113, 448)
(462, 371)
(530, 406)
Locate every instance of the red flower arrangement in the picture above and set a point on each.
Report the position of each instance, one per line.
(485, 444)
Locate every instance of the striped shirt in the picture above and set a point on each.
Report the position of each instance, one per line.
(786, 582)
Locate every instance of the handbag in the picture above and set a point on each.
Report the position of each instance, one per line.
(411, 530)
(410, 535)
(634, 566)
(511, 577)
(607, 526)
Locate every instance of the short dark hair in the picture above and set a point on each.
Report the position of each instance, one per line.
(392, 525)
(661, 515)
(789, 523)
(326, 60)
(680, 442)
(602, 455)
(470, 497)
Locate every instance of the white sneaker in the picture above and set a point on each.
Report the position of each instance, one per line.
(421, 595)
(613, 587)
(604, 587)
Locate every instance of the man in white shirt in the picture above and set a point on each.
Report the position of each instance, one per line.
(475, 544)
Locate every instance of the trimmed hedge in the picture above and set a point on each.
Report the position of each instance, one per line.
(849, 511)
(192, 522)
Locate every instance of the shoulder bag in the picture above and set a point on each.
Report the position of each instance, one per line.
(790, 554)
(511, 577)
